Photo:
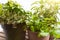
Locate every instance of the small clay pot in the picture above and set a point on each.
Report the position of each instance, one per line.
(33, 36)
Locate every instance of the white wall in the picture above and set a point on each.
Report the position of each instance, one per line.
(1, 29)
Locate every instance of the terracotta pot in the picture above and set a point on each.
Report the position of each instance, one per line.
(15, 33)
(33, 36)
(20, 33)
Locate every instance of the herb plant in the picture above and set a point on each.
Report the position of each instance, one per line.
(44, 18)
(12, 13)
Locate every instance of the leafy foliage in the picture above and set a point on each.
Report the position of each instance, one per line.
(44, 18)
(12, 13)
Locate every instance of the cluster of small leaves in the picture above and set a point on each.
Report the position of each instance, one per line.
(44, 18)
(12, 13)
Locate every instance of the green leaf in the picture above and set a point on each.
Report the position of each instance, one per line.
(32, 28)
(43, 34)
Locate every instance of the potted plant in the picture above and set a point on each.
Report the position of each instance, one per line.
(36, 28)
(42, 22)
(12, 17)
